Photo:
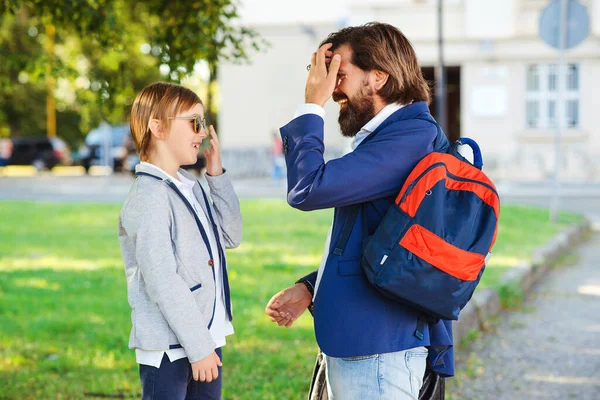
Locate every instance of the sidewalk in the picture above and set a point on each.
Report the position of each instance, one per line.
(113, 189)
(548, 350)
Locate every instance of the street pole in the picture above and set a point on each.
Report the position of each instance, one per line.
(440, 74)
(50, 83)
(560, 106)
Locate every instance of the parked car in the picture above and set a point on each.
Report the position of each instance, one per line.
(41, 152)
(97, 141)
(5, 151)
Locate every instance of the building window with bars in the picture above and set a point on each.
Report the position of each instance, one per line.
(541, 105)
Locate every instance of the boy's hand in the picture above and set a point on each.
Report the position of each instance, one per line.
(207, 369)
(214, 165)
(288, 305)
(321, 80)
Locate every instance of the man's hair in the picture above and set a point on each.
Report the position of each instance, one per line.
(160, 101)
(378, 46)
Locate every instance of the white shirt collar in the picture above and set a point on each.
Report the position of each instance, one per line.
(374, 123)
(181, 181)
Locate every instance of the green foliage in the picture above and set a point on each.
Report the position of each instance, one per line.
(471, 336)
(22, 93)
(511, 295)
(106, 51)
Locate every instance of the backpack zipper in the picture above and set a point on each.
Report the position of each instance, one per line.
(413, 184)
(449, 174)
(458, 178)
(411, 187)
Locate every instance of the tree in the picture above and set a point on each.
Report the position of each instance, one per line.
(110, 49)
(21, 95)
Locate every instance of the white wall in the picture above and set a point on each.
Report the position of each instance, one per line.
(492, 124)
(291, 12)
(590, 103)
(594, 10)
(490, 19)
(492, 41)
(416, 19)
(259, 98)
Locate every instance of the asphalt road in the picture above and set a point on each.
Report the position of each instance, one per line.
(107, 189)
(114, 188)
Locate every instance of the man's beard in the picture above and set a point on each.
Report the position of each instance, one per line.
(356, 113)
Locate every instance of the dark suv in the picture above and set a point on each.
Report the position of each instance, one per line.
(41, 152)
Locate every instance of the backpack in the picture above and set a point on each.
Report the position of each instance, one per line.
(431, 247)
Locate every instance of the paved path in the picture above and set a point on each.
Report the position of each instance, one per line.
(550, 349)
(109, 189)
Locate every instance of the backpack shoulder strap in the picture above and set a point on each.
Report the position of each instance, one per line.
(441, 144)
(340, 245)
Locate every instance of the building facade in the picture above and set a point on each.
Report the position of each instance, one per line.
(502, 83)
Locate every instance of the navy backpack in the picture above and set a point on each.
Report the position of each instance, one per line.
(430, 249)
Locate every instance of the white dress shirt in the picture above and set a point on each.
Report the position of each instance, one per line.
(365, 131)
(221, 326)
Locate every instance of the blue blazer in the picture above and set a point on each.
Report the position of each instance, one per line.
(351, 318)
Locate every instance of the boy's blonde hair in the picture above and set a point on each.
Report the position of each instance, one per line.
(160, 101)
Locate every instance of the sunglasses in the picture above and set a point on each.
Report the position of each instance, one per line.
(197, 122)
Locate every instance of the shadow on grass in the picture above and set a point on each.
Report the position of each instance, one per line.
(64, 334)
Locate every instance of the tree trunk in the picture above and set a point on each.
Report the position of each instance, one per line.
(211, 107)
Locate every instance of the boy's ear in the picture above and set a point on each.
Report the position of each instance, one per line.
(157, 129)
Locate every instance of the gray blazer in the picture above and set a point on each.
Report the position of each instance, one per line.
(170, 285)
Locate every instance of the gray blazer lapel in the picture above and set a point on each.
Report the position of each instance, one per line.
(198, 193)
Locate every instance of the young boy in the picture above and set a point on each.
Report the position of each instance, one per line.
(172, 240)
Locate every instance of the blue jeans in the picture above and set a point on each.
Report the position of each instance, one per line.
(397, 376)
(174, 381)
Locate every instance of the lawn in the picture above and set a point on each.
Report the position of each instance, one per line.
(64, 318)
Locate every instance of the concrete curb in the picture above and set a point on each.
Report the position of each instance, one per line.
(22, 171)
(486, 302)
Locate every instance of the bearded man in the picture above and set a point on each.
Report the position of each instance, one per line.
(375, 348)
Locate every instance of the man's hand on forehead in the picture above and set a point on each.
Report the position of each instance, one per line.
(322, 75)
(328, 56)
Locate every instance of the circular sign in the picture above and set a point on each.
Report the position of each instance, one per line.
(578, 24)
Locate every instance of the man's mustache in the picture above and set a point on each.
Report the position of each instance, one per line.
(337, 97)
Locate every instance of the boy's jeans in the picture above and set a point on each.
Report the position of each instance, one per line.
(397, 376)
(174, 381)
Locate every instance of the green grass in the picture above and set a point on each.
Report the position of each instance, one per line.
(521, 230)
(64, 318)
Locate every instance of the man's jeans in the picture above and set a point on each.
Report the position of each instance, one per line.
(388, 376)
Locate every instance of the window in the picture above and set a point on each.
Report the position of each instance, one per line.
(533, 113)
(541, 106)
(572, 113)
(552, 78)
(533, 79)
(552, 114)
(572, 77)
